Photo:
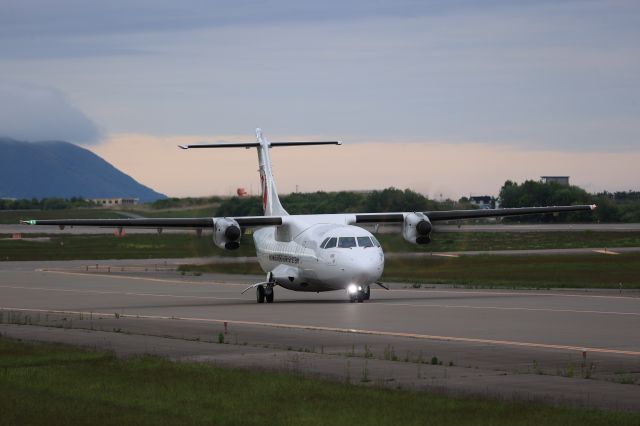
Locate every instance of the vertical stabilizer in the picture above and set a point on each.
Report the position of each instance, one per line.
(270, 201)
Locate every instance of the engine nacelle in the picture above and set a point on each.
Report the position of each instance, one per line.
(416, 228)
(226, 233)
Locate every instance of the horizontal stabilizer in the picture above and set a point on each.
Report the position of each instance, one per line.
(256, 144)
(223, 145)
(274, 144)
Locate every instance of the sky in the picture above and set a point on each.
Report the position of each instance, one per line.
(443, 97)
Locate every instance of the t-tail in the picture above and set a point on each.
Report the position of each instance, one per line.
(270, 201)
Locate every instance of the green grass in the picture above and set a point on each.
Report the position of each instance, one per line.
(56, 385)
(204, 211)
(14, 217)
(67, 246)
(135, 246)
(471, 241)
(566, 271)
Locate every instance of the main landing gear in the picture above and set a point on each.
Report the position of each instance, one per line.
(264, 292)
(359, 293)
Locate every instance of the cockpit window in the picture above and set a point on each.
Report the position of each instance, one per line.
(375, 241)
(324, 242)
(364, 242)
(331, 243)
(346, 242)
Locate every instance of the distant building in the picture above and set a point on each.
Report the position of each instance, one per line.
(115, 202)
(482, 201)
(562, 180)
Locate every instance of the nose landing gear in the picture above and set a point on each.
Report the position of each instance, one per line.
(264, 292)
(359, 293)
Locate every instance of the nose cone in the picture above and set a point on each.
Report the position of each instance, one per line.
(366, 268)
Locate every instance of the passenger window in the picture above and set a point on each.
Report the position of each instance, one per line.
(375, 241)
(331, 243)
(364, 242)
(347, 242)
(324, 242)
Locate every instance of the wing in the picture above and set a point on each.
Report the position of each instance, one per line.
(443, 215)
(194, 223)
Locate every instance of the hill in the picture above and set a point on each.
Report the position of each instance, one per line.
(61, 169)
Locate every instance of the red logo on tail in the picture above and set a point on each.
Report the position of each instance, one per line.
(263, 181)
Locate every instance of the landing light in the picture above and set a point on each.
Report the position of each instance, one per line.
(352, 289)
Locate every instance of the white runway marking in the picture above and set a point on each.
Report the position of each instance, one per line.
(347, 330)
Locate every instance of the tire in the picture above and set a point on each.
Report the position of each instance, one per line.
(260, 294)
(367, 293)
(269, 294)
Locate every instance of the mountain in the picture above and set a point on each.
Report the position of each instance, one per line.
(61, 169)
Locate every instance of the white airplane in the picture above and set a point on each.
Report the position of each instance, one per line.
(311, 253)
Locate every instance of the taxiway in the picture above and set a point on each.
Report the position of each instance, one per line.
(569, 346)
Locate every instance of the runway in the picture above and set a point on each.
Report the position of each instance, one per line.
(538, 343)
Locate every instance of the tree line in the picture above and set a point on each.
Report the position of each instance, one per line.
(612, 207)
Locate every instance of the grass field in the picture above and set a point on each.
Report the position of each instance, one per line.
(567, 271)
(136, 246)
(57, 385)
(68, 247)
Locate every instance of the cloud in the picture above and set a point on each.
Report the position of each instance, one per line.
(34, 113)
(542, 75)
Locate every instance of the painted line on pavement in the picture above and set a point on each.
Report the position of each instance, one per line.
(130, 277)
(123, 293)
(348, 330)
(456, 291)
(576, 311)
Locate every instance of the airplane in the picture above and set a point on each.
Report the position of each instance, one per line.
(314, 252)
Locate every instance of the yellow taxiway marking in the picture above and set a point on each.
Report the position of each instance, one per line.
(605, 251)
(123, 293)
(345, 330)
(413, 305)
(131, 277)
(510, 308)
(456, 291)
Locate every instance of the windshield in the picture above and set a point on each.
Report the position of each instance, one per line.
(364, 242)
(346, 242)
(331, 243)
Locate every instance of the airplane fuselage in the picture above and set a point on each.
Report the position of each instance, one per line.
(308, 254)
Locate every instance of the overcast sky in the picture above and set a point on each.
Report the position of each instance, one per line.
(499, 77)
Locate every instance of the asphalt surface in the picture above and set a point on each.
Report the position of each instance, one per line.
(574, 347)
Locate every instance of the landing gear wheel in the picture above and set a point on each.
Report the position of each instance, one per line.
(367, 293)
(260, 294)
(360, 296)
(268, 294)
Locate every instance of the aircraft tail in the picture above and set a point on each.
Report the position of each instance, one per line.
(270, 200)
